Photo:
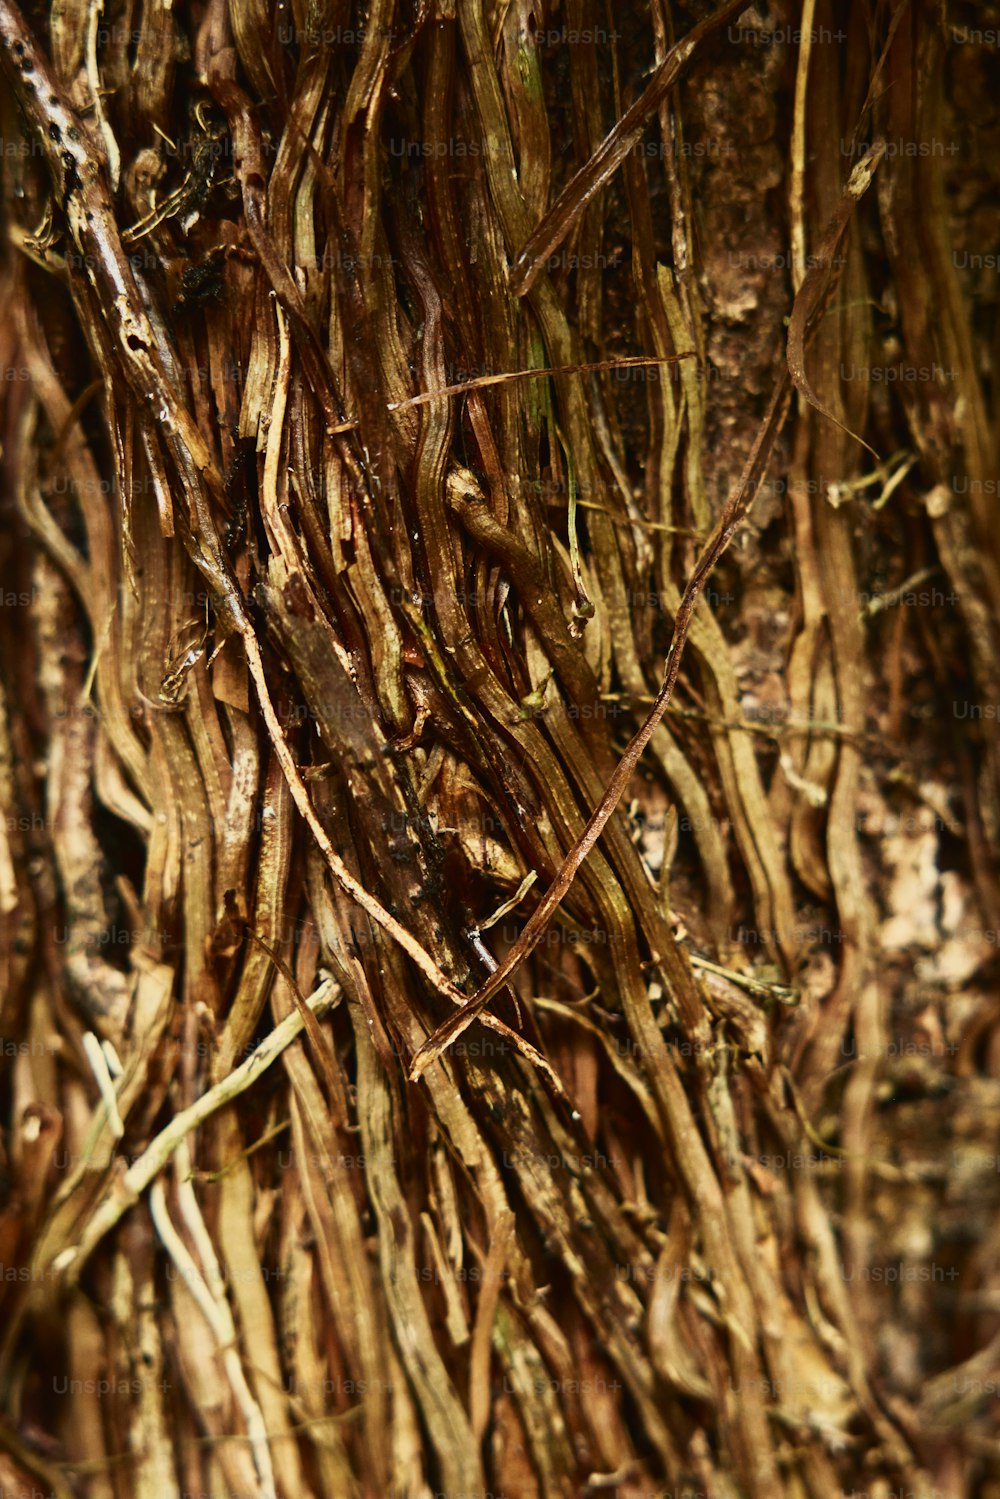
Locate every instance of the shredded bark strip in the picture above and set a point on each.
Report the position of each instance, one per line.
(499, 599)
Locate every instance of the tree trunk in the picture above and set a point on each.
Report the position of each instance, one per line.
(498, 694)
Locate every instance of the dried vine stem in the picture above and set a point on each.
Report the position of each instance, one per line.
(465, 1249)
(606, 160)
(728, 524)
(127, 1189)
(809, 303)
(78, 178)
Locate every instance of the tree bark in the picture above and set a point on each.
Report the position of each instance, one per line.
(498, 702)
